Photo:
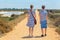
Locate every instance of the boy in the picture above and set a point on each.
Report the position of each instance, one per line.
(43, 21)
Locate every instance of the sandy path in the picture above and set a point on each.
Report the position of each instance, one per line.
(21, 30)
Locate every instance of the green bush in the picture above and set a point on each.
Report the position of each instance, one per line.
(11, 18)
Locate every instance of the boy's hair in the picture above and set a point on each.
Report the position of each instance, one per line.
(43, 6)
(31, 6)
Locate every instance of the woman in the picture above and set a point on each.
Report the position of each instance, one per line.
(30, 24)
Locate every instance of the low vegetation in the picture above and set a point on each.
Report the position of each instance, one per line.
(7, 23)
(55, 18)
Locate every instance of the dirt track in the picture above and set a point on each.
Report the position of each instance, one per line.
(21, 30)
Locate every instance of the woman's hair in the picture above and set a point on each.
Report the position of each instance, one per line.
(31, 6)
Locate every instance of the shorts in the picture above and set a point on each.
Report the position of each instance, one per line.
(44, 24)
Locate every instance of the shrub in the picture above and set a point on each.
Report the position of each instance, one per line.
(58, 30)
(4, 26)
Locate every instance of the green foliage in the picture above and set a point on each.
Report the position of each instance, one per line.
(13, 9)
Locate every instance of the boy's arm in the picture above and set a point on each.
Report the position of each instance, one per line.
(47, 16)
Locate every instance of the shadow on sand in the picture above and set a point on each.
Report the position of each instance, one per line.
(31, 37)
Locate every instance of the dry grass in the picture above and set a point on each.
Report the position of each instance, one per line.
(17, 20)
(56, 22)
(6, 27)
(58, 30)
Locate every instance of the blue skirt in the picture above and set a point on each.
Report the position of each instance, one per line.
(44, 24)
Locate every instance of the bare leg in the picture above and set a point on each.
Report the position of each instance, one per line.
(32, 31)
(29, 31)
(42, 31)
(45, 31)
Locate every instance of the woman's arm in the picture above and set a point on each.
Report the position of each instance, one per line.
(27, 15)
(39, 16)
(35, 15)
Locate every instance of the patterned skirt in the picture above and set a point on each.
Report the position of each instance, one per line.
(30, 23)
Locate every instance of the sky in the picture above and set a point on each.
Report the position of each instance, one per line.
(50, 4)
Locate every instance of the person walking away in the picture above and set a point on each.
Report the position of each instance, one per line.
(43, 21)
(30, 19)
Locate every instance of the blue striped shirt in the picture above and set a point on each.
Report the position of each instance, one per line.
(43, 14)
